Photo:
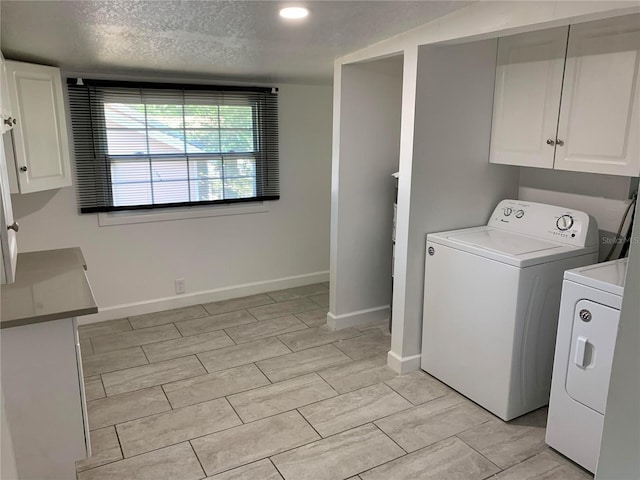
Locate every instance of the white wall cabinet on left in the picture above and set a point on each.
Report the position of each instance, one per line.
(8, 227)
(7, 120)
(40, 141)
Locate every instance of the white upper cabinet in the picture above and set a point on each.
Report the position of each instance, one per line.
(570, 105)
(598, 128)
(40, 141)
(8, 226)
(6, 115)
(526, 98)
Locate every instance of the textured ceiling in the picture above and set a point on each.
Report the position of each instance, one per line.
(243, 40)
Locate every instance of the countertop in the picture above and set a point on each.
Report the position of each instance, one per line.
(50, 285)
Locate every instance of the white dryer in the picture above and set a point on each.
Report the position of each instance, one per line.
(491, 302)
(587, 332)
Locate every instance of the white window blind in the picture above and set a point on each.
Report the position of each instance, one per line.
(146, 145)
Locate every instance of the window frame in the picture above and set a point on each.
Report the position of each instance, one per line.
(128, 217)
(260, 135)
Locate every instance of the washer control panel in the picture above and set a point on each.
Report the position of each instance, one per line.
(546, 221)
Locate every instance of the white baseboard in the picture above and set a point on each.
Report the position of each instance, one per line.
(403, 365)
(225, 293)
(361, 317)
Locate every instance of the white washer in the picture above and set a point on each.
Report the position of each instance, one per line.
(491, 302)
(587, 332)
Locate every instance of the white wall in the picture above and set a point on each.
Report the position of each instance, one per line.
(363, 191)
(479, 21)
(130, 264)
(490, 19)
(8, 469)
(620, 449)
(452, 184)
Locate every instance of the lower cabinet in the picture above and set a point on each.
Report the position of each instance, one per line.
(44, 398)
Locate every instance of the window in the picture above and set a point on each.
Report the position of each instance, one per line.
(157, 145)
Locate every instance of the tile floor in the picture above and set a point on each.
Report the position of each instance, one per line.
(257, 388)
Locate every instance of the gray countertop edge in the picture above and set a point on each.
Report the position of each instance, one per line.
(31, 267)
(19, 322)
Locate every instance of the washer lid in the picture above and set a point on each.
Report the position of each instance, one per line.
(607, 276)
(512, 248)
(504, 242)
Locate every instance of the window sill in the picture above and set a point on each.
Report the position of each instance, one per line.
(185, 213)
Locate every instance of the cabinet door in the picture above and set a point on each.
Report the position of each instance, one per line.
(40, 137)
(601, 98)
(527, 98)
(6, 116)
(8, 242)
(42, 399)
(83, 394)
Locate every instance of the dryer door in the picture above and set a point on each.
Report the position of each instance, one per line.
(593, 341)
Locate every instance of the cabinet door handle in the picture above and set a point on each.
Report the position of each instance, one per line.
(551, 142)
(14, 226)
(560, 143)
(23, 169)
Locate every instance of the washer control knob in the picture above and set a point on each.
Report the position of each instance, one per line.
(519, 213)
(565, 222)
(508, 211)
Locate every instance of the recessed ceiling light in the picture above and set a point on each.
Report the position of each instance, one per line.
(294, 12)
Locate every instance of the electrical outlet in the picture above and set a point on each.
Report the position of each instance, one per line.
(180, 288)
